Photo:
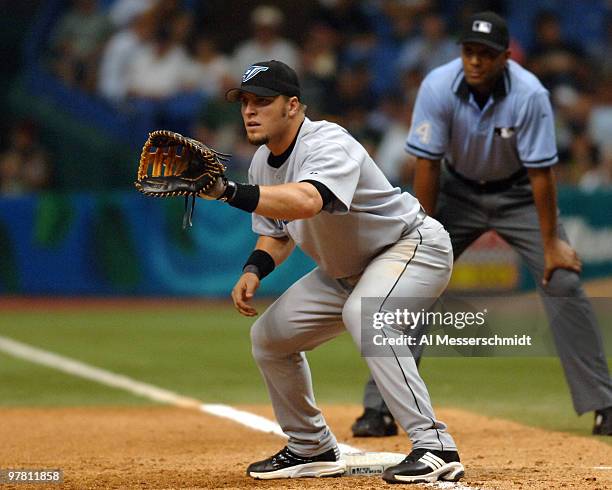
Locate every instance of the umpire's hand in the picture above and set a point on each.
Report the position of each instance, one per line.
(559, 255)
(243, 292)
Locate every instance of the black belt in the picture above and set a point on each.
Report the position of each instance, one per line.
(491, 186)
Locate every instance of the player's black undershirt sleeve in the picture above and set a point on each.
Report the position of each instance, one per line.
(326, 195)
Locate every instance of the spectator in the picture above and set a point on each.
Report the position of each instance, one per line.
(122, 13)
(319, 67)
(393, 23)
(181, 27)
(600, 131)
(160, 92)
(583, 158)
(432, 48)
(354, 56)
(595, 173)
(600, 118)
(577, 149)
(210, 70)
(347, 17)
(121, 52)
(161, 69)
(24, 165)
(556, 62)
(76, 43)
(410, 83)
(402, 17)
(266, 43)
(352, 98)
(601, 52)
(358, 39)
(396, 164)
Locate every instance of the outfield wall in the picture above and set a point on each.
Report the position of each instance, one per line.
(125, 244)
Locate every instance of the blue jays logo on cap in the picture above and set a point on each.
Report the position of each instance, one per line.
(267, 79)
(252, 71)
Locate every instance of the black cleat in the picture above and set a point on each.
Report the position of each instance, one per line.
(603, 422)
(286, 464)
(374, 424)
(426, 466)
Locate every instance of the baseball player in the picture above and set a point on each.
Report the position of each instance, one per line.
(485, 124)
(311, 184)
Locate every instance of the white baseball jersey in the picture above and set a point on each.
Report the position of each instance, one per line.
(366, 215)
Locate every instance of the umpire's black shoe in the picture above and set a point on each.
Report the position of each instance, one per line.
(374, 424)
(286, 464)
(603, 422)
(426, 466)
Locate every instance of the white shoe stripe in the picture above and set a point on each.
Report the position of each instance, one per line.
(434, 465)
(435, 458)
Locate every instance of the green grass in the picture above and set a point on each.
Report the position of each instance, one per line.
(204, 352)
(24, 383)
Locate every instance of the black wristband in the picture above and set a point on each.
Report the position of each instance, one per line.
(245, 197)
(229, 192)
(262, 260)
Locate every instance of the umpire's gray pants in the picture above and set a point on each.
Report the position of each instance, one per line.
(513, 215)
(317, 308)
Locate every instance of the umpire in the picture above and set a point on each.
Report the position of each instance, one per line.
(483, 135)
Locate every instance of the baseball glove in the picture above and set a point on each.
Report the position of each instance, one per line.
(173, 165)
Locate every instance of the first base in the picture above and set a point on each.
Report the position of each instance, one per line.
(368, 464)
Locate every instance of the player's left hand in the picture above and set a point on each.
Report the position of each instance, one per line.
(243, 293)
(559, 255)
(216, 190)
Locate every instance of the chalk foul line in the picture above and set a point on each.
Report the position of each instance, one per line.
(146, 390)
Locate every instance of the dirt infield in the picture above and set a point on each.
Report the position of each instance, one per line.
(161, 447)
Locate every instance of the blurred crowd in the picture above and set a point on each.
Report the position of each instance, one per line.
(24, 163)
(360, 63)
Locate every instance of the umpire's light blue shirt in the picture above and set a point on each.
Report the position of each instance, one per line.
(516, 126)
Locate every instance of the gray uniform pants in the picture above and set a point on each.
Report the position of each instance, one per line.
(513, 215)
(413, 272)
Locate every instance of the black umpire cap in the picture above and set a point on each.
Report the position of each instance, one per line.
(267, 79)
(486, 28)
